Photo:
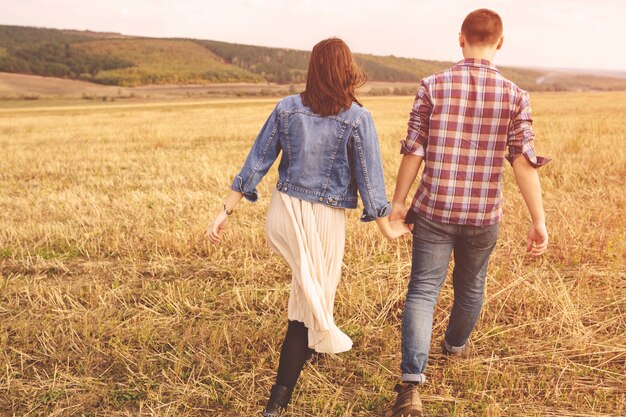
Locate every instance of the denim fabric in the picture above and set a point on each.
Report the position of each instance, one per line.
(433, 243)
(324, 159)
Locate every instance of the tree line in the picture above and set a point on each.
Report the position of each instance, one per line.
(52, 52)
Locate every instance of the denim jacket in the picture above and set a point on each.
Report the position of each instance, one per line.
(325, 159)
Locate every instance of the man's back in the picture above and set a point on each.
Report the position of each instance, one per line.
(465, 118)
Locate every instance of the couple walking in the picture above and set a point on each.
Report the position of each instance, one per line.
(465, 121)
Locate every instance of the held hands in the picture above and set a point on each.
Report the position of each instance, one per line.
(214, 232)
(397, 228)
(393, 227)
(398, 213)
(537, 241)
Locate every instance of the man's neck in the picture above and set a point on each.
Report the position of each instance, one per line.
(488, 53)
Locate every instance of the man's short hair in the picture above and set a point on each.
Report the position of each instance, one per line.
(482, 27)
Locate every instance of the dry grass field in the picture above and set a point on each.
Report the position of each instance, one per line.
(41, 90)
(35, 90)
(112, 303)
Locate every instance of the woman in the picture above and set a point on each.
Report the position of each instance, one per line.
(329, 151)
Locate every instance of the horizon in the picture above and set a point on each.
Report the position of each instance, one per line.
(618, 73)
(550, 34)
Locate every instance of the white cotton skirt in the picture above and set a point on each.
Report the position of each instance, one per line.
(311, 238)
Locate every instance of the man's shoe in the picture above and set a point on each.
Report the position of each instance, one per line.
(459, 352)
(408, 403)
(277, 404)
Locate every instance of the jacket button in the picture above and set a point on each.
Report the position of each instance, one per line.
(284, 188)
(321, 198)
(330, 200)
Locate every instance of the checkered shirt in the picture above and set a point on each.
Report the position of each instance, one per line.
(468, 119)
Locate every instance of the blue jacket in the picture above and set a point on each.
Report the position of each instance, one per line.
(324, 159)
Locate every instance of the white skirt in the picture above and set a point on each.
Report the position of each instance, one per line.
(311, 238)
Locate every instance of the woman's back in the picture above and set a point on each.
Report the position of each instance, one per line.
(325, 159)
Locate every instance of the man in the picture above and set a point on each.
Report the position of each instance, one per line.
(463, 122)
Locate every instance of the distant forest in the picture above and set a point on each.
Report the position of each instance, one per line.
(50, 53)
(114, 59)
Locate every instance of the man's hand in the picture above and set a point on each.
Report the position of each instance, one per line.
(398, 212)
(409, 166)
(528, 183)
(537, 241)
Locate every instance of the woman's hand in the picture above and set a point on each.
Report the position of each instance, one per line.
(392, 229)
(397, 228)
(214, 232)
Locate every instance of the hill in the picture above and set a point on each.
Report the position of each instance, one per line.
(163, 61)
(116, 59)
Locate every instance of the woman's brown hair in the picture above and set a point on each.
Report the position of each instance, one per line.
(332, 78)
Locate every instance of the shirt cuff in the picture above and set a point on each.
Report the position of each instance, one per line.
(418, 151)
(384, 211)
(250, 195)
(414, 149)
(535, 161)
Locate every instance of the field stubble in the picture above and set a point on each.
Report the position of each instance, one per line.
(113, 304)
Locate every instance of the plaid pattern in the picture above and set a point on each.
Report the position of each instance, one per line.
(468, 118)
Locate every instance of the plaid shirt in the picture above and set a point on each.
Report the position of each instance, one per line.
(466, 118)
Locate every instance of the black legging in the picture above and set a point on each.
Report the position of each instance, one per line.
(293, 355)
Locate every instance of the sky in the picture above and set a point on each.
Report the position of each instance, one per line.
(537, 33)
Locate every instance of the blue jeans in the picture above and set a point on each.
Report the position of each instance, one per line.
(433, 243)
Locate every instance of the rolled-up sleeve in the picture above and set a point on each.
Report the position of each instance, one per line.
(419, 122)
(262, 155)
(368, 170)
(521, 138)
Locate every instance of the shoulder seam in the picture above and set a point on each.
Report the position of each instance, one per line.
(363, 113)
